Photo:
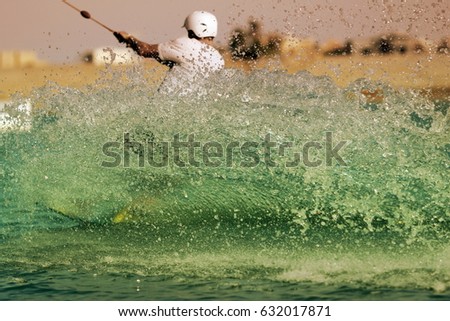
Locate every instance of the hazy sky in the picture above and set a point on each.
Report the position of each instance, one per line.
(59, 34)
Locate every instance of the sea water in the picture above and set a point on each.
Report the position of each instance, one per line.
(263, 186)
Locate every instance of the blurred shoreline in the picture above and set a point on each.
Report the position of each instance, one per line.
(429, 74)
(393, 59)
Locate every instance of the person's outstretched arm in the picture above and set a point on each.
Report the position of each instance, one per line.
(142, 48)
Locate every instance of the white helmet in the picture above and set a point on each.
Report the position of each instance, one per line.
(202, 23)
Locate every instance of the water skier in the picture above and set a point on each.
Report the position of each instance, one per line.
(191, 58)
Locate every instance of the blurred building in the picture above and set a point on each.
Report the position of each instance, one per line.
(111, 56)
(18, 59)
(15, 117)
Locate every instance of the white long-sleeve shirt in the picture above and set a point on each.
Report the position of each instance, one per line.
(194, 62)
